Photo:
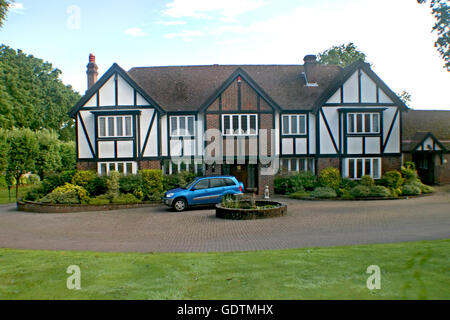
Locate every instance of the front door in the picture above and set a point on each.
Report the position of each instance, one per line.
(425, 166)
(245, 173)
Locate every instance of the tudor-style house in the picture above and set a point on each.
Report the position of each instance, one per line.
(156, 117)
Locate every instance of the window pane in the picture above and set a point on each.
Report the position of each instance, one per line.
(120, 168)
(216, 183)
(302, 124)
(367, 122)
(111, 127)
(286, 124)
(102, 127)
(226, 124)
(367, 168)
(294, 125)
(375, 123)
(173, 126)
(253, 124)
(294, 163)
(103, 169)
(119, 124)
(112, 167)
(128, 126)
(182, 126)
(284, 164)
(311, 165)
(359, 168)
(235, 124)
(359, 122)
(302, 163)
(351, 168)
(129, 168)
(351, 122)
(244, 124)
(376, 168)
(191, 126)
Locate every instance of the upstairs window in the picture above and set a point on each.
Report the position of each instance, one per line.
(294, 124)
(182, 126)
(115, 126)
(363, 123)
(240, 124)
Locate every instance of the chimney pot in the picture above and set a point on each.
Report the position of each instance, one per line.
(92, 71)
(310, 58)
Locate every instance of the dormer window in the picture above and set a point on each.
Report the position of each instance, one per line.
(240, 124)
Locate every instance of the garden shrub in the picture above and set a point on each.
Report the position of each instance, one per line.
(171, 181)
(379, 191)
(34, 179)
(127, 198)
(324, 193)
(152, 183)
(367, 181)
(293, 182)
(67, 194)
(409, 175)
(360, 191)
(34, 194)
(423, 187)
(132, 184)
(392, 179)
(300, 194)
(411, 190)
(410, 165)
(330, 177)
(97, 186)
(112, 184)
(347, 184)
(100, 200)
(83, 178)
(54, 180)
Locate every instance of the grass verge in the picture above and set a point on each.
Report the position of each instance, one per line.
(411, 270)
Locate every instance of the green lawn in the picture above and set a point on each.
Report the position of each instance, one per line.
(414, 270)
(4, 197)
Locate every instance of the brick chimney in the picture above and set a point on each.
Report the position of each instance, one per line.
(92, 71)
(310, 66)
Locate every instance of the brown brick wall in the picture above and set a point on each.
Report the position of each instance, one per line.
(390, 163)
(442, 170)
(152, 164)
(263, 181)
(86, 165)
(323, 163)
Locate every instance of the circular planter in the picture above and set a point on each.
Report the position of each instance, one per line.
(251, 214)
(37, 207)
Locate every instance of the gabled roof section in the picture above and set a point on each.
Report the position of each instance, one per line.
(418, 139)
(188, 88)
(239, 72)
(115, 68)
(346, 73)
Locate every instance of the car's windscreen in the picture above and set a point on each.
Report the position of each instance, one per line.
(190, 184)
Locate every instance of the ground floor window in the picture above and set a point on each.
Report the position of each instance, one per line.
(104, 168)
(173, 167)
(355, 168)
(301, 164)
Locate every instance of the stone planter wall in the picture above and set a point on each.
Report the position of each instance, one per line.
(36, 207)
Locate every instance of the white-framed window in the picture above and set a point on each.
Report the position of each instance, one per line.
(294, 124)
(240, 124)
(115, 126)
(173, 167)
(301, 164)
(126, 168)
(358, 167)
(363, 122)
(182, 126)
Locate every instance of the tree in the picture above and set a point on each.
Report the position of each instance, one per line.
(23, 150)
(342, 55)
(4, 6)
(441, 11)
(405, 97)
(33, 96)
(48, 159)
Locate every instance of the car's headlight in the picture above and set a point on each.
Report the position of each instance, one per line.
(169, 195)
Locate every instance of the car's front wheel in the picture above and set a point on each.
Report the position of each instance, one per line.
(179, 204)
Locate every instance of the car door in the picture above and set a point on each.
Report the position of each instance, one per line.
(199, 192)
(216, 190)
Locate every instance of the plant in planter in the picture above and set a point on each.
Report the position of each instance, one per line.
(67, 194)
(411, 190)
(379, 191)
(360, 191)
(330, 177)
(324, 193)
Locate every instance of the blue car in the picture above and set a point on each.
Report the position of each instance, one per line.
(203, 191)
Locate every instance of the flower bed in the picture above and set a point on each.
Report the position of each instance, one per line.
(262, 210)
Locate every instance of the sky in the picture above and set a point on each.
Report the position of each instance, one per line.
(395, 35)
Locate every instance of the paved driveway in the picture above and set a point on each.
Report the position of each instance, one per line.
(158, 229)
